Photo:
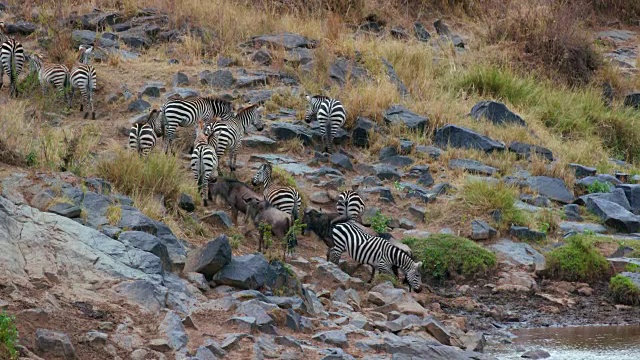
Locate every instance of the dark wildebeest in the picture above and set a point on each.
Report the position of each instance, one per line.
(235, 193)
(262, 212)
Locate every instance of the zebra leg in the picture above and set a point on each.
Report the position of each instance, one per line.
(373, 274)
(334, 255)
(1, 76)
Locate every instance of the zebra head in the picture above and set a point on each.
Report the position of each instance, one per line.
(83, 53)
(263, 175)
(311, 109)
(414, 278)
(154, 120)
(35, 61)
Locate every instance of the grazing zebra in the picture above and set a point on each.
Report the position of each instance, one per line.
(285, 198)
(11, 58)
(83, 77)
(185, 113)
(228, 134)
(350, 205)
(143, 135)
(330, 115)
(375, 251)
(204, 162)
(55, 74)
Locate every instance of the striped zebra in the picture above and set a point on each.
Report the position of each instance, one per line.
(330, 114)
(204, 163)
(285, 198)
(375, 251)
(186, 112)
(143, 135)
(228, 134)
(350, 205)
(83, 77)
(11, 58)
(54, 74)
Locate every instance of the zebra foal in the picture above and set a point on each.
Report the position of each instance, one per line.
(204, 163)
(375, 251)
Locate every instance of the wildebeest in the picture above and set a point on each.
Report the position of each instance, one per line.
(235, 193)
(262, 212)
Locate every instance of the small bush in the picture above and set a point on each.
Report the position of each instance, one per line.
(599, 187)
(622, 290)
(577, 261)
(443, 255)
(379, 222)
(8, 337)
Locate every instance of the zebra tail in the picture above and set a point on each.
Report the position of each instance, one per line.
(327, 134)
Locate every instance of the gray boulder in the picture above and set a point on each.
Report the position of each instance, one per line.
(245, 272)
(583, 171)
(553, 188)
(472, 166)
(210, 258)
(459, 137)
(138, 105)
(632, 100)
(527, 150)
(524, 233)
(285, 40)
(179, 79)
(65, 209)
(21, 27)
(480, 230)
(602, 178)
(332, 337)
(572, 212)
(55, 344)
(421, 32)
(346, 70)
(614, 215)
(360, 133)
(85, 37)
(393, 76)
(172, 330)
(632, 192)
(341, 160)
(220, 79)
(387, 172)
(496, 112)
(287, 131)
(147, 242)
(520, 253)
(616, 196)
(398, 114)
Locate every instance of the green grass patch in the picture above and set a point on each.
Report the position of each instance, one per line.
(8, 337)
(622, 290)
(443, 255)
(379, 222)
(114, 214)
(599, 187)
(482, 197)
(578, 260)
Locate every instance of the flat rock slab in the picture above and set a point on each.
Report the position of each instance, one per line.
(520, 253)
(398, 114)
(527, 150)
(286, 40)
(472, 166)
(614, 215)
(581, 227)
(245, 272)
(553, 188)
(459, 137)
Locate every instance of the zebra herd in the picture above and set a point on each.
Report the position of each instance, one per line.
(82, 75)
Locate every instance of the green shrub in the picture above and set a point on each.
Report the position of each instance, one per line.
(8, 337)
(598, 187)
(379, 222)
(443, 255)
(622, 290)
(578, 260)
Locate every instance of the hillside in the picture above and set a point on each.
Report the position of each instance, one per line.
(498, 140)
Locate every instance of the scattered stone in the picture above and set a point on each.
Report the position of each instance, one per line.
(221, 79)
(360, 133)
(21, 27)
(391, 72)
(286, 131)
(398, 114)
(262, 57)
(432, 151)
(152, 89)
(418, 212)
(615, 196)
(55, 344)
(387, 172)
(138, 105)
(180, 79)
(553, 188)
(583, 171)
(399, 33)
(459, 137)
(524, 233)
(198, 280)
(421, 32)
(343, 70)
(632, 100)
(159, 345)
(572, 212)
(203, 353)
(259, 141)
(226, 62)
(398, 160)
(496, 112)
(332, 337)
(185, 202)
(632, 192)
(472, 166)
(407, 224)
(526, 150)
(147, 242)
(218, 218)
(602, 178)
(480, 230)
(617, 35)
(341, 160)
(214, 347)
(65, 209)
(437, 330)
(614, 215)
(173, 331)
(95, 338)
(286, 40)
(210, 258)
(536, 354)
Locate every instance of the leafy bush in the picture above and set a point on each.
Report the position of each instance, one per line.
(443, 255)
(622, 290)
(598, 187)
(8, 337)
(578, 260)
(379, 222)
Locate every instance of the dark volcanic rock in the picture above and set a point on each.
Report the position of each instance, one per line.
(262, 57)
(65, 209)
(496, 112)
(185, 202)
(480, 230)
(210, 258)
(572, 212)
(614, 215)
(245, 272)
(399, 33)
(583, 171)
(602, 178)
(536, 354)
(221, 79)
(285, 40)
(632, 100)
(526, 150)
(21, 27)
(402, 89)
(180, 79)
(147, 242)
(553, 188)
(632, 192)
(341, 160)
(459, 137)
(421, 32)
(343, 70)
(617, 196)
(387, 172)
(398, 114)
(138, 105)
(287, 131)
(524, 233)
(472, 166)
(80, 37)
(360, 133)
(55, 344)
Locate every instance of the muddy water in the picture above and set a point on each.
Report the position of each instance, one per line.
(577, 343)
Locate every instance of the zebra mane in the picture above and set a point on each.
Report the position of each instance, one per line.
(213, 99)
(246, 109)
(322, 97)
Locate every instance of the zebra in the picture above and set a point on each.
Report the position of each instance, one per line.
(204, 163)
(228, 134)
(375, 251)
(350, 205)
(143, 135)
(285, 198)
(11, 58)
(55, 74)
(185, 113)
(330, 114)
(83, 77)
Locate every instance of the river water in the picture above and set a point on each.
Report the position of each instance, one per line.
(576, 343)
